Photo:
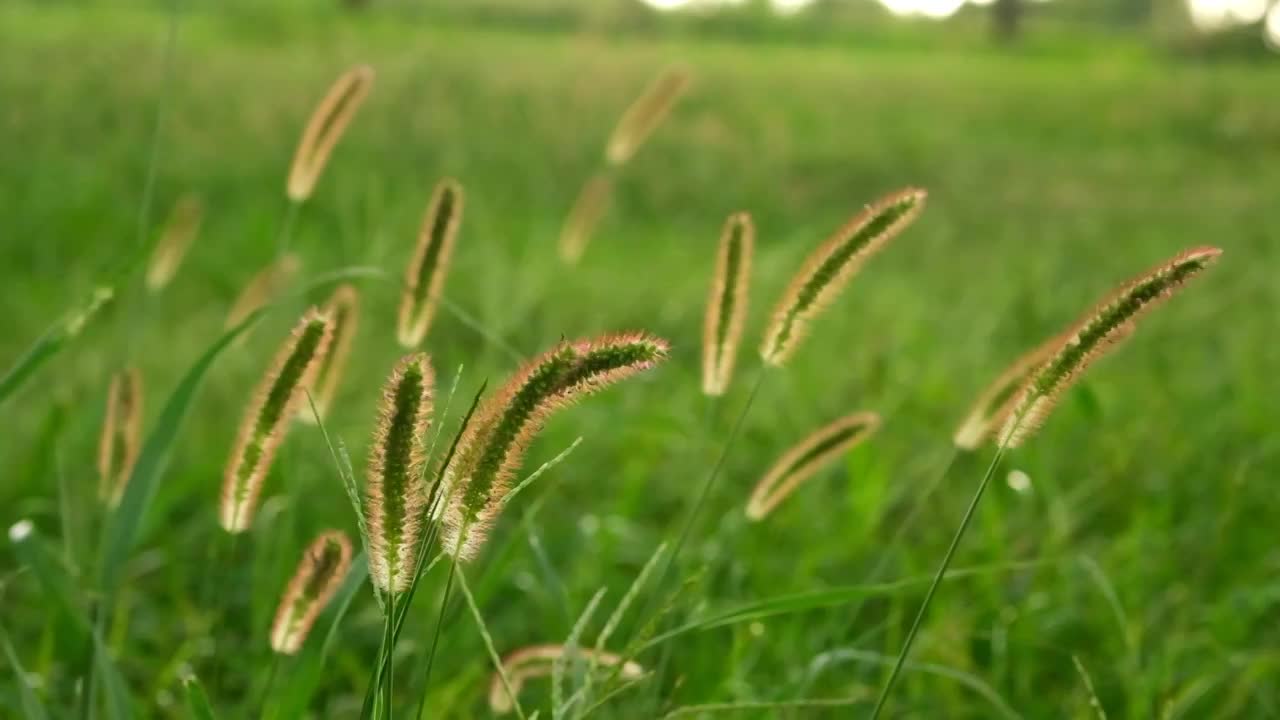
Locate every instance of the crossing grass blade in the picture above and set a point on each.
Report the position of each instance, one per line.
(197, 701)
(32, 708)
(53, 340)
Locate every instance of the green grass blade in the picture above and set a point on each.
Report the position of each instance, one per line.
(197, 701)
(32, 709)
(48, 344)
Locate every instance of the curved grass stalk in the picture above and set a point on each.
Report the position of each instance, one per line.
(807, 458)
(180, 230)
(826, 272)
(343, 307)
(584, 216)
(121, 435)
(262, 288)
(539, 661)
(325, 128)
(727, 303)
(324, 566)
(425, 275)
(996, 401)
(645, 114)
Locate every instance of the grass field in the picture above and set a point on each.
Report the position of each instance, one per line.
(1143, 552)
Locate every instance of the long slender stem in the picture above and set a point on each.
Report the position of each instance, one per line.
(271, 681)
(937, 580)
(435, 640)
(286, 229)
(390, 650)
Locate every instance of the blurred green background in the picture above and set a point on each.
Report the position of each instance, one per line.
(1063, 154)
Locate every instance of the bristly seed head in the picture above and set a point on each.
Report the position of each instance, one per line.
(179, 231)
(645, 114)
(1108, 324)
(324, 565)
(327, 124)
(826, 272)
(121, 434)
(807, 458)
(395, 494)
(266, 419)
(425, 275)
(727, 304)
(993, 405)
(588, 208)
(343, 308)
(262, 288)
(492, 448)
(537, 661)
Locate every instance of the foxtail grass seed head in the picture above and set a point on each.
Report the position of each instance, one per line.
(645, 115)
(395, 496)
(832, 265)
(425, 275)
(580, 225)
(343, 308)
(1108, 324)
(537, 661)
(179, 231)
(491, 450)
(807, 458)
(727, 304)
(266, 419)
(327, 124)
(121, 434)
(993, 405)
(262, 288)
(324, 565)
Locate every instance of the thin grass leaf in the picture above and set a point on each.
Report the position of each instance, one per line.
(571, 651)
(32, 708)
(53, 340)
(488, 642)
(758, 706)
(1094, 702)
(197, 701)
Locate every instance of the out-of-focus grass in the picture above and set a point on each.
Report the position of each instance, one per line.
(1152, 501)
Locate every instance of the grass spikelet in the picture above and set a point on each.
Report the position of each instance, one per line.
(179, 231)
(645, 114)
(727, 304)
(121, 433)
(492, 448)
(324, 565)
(394, 494)
(261, 288)
(832, 265)
(343, 307)
(425, 275)
(807, 458)
(537, 661)
(327, 124)
(1108, 324)
(267, 416)
(588, 208)
(993, 405)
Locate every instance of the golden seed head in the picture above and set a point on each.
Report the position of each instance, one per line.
(343, 307)
(179, 231)
(121, 435)
(324, 565)
(327, 124)
(727, 303)
(645, 114)
(537, 661)
(425, 274)
(996, 401)
(262, 289)
(808, 457)
(580, 225)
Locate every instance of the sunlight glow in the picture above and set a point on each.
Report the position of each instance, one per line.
(1212, 15)
(789, 7)
(1272, 28)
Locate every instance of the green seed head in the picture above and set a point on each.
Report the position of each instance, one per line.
(727, 304)
(425, 275)
(323, 567)
(343, 307)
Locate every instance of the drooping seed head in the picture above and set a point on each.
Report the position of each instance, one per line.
(327, 124)
(537, 661)
(645, 114)
(727, 304)
(324, 565)
(993, 405)
(395, 496)
(343, 307)
(425, 274)
(832, 265)
(179, 231)
(492, 448)
(266, 419)
(121, 433)
(807, 458)
(262, 288)
(1108, 324)
(593, 200)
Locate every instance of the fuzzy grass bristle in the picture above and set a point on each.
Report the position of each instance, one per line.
(262, 288)
(266, 419)
(324, 565)
(343, 307)
(537, 661)
(645, 114)
(1104, 327)
(395, 496)
(425, 274)
(180, 230)
(580, 225)
(992, 407)
(826, 272)
(492, 448)
(806, 458)
(727, 303)
(121, 434)
(325, 127)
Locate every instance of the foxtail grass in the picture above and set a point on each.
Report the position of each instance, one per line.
(343, 308)
(180, 230)
(645, 114)
(324, 565)
(828, 270)
(809, 456)
(262, 288)
(492, 448)
(121, 434)
(325, 128)
(993, 405)
(580, 225)
(727, 303)
(266, 419)
(425, 275)
(1104, 327)
(538, 661)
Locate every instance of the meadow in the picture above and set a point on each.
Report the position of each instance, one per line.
(1136, 571)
